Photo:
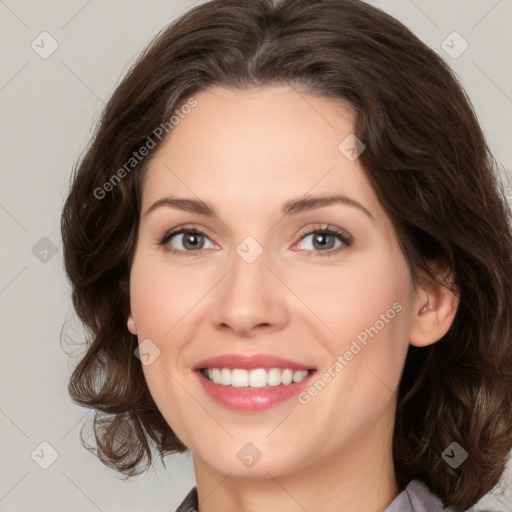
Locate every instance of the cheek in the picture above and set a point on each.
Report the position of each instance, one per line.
(159, 302)
(368, 312)
(158, 298)
(348, 301)
(174, 402)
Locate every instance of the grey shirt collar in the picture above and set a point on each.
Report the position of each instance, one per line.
(416, 497)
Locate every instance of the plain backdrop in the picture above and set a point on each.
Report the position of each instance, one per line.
(48, 110)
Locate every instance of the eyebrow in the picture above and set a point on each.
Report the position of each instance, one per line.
(291, 207)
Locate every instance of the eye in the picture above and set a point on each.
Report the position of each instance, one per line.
(326, 241)
(322, 241)
(184, 241)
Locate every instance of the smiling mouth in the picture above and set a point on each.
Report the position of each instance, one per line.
(256, 378)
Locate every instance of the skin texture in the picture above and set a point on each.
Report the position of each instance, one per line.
(247, 153)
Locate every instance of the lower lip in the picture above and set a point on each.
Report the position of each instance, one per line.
(251, 400)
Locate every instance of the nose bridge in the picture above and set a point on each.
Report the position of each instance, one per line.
(251, 295)
(249, 277)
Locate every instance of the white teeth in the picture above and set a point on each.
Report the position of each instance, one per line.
(239, 378)
(225, 377)
(258, 378)
(287, 377)
(299, 375)
(274, 377)
(216, 375)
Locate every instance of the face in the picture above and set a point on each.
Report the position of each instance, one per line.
(275, 289)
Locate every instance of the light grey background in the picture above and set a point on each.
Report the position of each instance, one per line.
(48, 108)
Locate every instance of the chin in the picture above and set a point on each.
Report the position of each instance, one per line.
(249, 461)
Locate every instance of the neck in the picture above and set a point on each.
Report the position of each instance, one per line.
(359, 477)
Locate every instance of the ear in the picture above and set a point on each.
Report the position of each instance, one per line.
(435, 308)
(131, 324)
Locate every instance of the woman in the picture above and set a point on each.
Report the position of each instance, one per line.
(340, 338)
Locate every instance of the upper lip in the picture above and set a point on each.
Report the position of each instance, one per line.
(249, 362)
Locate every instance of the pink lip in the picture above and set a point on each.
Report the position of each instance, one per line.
(250, 400)
(250, 362)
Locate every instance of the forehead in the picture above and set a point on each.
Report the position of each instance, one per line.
(258, 147)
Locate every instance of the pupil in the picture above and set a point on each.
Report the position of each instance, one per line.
(192, 239)
(321, 237)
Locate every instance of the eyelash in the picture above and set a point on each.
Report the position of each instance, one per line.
(328, 230)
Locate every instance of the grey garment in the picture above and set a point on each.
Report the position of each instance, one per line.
(416, 497)
(189, 504)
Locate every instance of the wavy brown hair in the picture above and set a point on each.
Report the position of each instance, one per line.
(428, 163)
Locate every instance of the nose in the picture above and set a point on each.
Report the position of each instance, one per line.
(250, 299)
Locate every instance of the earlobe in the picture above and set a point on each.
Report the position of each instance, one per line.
(434, 311)
(131, 325)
